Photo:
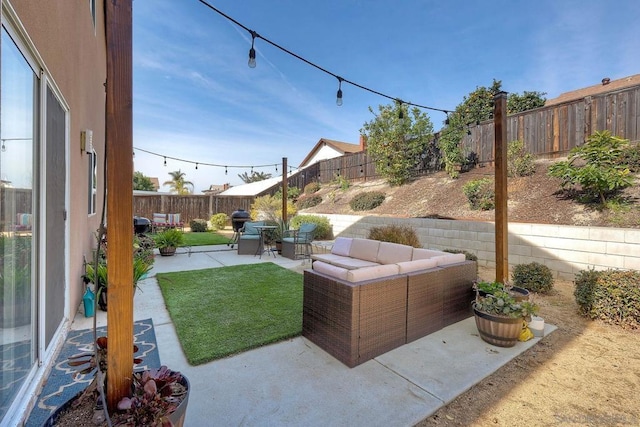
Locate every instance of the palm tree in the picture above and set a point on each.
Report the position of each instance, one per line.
(254, 177)
(178, 184)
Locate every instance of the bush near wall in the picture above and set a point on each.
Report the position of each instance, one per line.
(609, 295)
(219, 220)
(402, 234)
(198, 225)
(534, 276)
(323, 226)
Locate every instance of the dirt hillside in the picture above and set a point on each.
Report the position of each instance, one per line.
(532, 199)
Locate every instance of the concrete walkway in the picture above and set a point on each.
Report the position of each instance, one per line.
(295, 383)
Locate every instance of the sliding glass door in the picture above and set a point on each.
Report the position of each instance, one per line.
(19, 88)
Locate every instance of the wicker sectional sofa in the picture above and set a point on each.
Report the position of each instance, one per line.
(368, 297)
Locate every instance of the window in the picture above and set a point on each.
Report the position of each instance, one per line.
(93, 181)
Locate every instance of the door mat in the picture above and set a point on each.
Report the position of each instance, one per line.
(62, 383)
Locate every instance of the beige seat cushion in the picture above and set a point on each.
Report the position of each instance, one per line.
(369, 273)
(449, 259)
(330, 270)
(341, 246)
(419, 253)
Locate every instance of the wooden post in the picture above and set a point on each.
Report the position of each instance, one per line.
(284, 189)
(119, 146)
(502, 231)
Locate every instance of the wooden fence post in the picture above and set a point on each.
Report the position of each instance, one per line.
(502, 231)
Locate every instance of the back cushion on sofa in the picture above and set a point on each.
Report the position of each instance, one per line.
(391, 253)
(419, 253)
(341, 246)
(449, 259)
(417, 265)
(370, 273)
(366, 249)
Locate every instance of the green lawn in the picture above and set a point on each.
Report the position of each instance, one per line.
(218, 312)
(204, 238)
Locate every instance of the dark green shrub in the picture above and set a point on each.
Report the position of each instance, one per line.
(312, 187)
(219, 220)
(395, 234)
(305, 202)
(631, 157)
(198, 225)
(367, 200)
(467, 255)
(480, 193)
(323, 229)
(519, 161)
(611, 295)
(534, 276)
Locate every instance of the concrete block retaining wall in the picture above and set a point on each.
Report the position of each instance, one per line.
(564, 249)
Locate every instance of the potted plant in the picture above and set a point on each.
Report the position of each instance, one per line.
(499, 317)
(100, 280)
(278, 233)
(159, 397)
(484, 288)
(168, 240)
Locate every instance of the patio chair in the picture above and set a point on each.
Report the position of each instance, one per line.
(298, 242)
(249, 240)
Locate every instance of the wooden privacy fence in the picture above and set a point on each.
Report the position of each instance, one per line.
(190, 207)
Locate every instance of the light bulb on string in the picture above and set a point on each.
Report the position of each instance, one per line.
(446, 121)
(196, 166)
(225, 170)
(339, 94)
(165, 161)
(3, 147)
(252, 51)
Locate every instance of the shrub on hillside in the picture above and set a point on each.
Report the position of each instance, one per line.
(610, 295)
(631, 157)
(519, 161)
(402, 234)
(312, 187)
(534, 276)
(323, 226)
(219, 220)
(307, 201)
(198, 225)
(480, 194)
(367, 201)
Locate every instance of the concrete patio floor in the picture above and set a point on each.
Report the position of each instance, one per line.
(294, 382)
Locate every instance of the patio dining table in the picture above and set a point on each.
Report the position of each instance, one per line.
(263, 229)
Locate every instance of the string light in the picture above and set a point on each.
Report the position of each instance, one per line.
(339, 94)
(198, 163)
(446, 121)
(3, 147)
(255, 35)
(225, 170)
(165, 161)
(196, 166)
(252, 51)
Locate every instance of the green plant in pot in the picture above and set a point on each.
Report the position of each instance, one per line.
(278, 233)
(483, 288)
(168, 240)
(141, 267)
(500, 317)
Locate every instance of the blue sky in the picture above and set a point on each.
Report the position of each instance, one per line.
(196, 99)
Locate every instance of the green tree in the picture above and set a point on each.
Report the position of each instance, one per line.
(597, 166)
(517, 103)
(475, 108)
(178, 184)
(254, 177)
(396, 140)
(142, 182)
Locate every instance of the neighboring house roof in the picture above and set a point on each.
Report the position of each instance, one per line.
(329, 149)
(253, 188)
(604, 87)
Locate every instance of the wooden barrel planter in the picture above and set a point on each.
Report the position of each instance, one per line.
(519, 294)
(167, 251)
(498, 330)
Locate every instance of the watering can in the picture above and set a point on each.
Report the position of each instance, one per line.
(88, 300)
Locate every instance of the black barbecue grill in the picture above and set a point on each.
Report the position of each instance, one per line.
(238, 218)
